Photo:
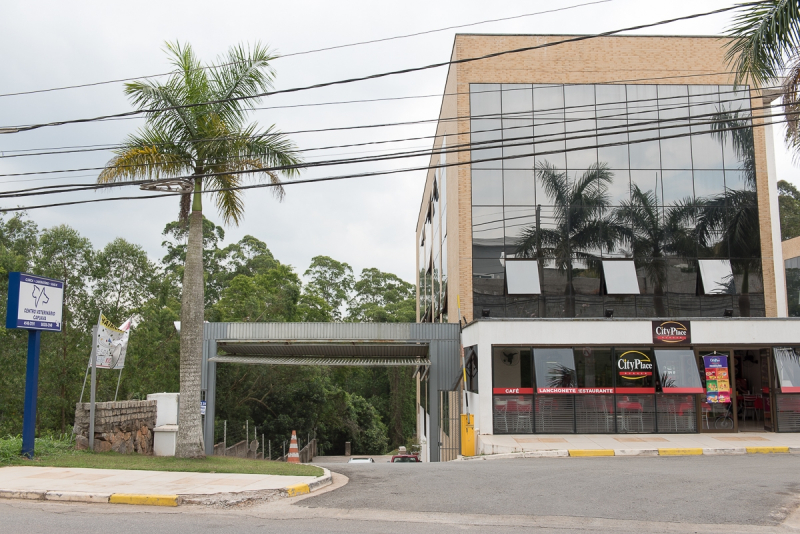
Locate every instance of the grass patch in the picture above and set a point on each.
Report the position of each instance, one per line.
(60, 452)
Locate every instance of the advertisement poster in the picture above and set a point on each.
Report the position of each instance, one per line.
(112, 344)
(718, 384)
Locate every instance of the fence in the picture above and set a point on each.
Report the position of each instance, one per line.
(258, 447)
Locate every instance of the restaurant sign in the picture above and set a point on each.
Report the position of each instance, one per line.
(512, 391)
(672, 333)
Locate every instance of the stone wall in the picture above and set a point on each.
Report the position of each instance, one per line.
(124, 427)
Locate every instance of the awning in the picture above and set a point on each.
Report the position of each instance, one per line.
(324, 352)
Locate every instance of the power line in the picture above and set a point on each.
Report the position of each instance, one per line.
(85, 187)
(120, 80)
(17, 129)
(656, 107)
(94, 148)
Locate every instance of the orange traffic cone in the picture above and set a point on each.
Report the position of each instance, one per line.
(294, 454)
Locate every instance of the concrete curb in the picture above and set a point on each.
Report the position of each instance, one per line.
(220, 499)
(563, 453)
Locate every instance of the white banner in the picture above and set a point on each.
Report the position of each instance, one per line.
(112, 344)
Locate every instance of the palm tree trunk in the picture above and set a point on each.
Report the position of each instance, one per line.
(744, 298)
(658, 300)
(190, 432)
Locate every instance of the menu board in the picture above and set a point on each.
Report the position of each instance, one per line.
(718, 383)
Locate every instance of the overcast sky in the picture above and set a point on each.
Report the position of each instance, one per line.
(367, 222)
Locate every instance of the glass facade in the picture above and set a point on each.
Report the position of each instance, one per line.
(572, 176)
(432, 268)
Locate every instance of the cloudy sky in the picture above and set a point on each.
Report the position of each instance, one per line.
(366, 222)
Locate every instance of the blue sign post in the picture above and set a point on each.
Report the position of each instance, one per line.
(34, 304)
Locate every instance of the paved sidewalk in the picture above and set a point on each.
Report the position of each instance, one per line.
(94, 485)
(509, 443)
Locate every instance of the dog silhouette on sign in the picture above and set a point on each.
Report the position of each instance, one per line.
(39, 295)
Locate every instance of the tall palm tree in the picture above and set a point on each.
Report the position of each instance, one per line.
(580, 222)
(765, 47)
(653, 232)
(198, 127)
(727, 223)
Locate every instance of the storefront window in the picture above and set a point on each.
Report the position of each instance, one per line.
(635, 370)
(677, 371)
(595, 368)
(511, 370)
(555, 371)
(787, 361)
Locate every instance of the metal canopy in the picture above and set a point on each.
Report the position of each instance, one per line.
(321, 360)
(298, 348)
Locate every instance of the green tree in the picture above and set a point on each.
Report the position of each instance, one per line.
(581, 222)
(789, 206)
(332, 281)
(65, 255)
(199, 128)
(271, 296)
(123, 278)
(382, 298)
(764, 47)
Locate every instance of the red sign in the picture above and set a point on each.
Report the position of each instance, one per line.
(683, 390)
(574, 391)
(512, 391)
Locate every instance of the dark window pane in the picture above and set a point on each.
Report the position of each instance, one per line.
(635, 371)
(594, 367)
(555, 369)
(511, 367)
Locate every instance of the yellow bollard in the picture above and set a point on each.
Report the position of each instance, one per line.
(467, 435)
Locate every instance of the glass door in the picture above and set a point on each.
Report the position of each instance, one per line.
(716, 411)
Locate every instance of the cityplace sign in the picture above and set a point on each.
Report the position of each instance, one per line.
(672, 333)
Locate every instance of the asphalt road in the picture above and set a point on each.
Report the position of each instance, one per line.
(731, 494)
(748, 489)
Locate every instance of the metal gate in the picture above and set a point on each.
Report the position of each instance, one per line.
(449, 425)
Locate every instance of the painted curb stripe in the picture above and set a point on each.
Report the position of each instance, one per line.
(591, 452)
(680, 452)
(150, 500)
(297, 489)
(766, 450)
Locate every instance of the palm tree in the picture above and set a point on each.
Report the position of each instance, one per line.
(580, 223)
(733, 215)
(765, 46)
(198, 127)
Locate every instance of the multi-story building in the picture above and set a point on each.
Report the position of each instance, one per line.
(605, 213)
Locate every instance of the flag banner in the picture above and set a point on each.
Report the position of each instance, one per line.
(112, 344)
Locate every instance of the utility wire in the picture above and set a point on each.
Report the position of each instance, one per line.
(526, 115)
(94, 148)
(94, 84)
(85, 187)
(17, 129)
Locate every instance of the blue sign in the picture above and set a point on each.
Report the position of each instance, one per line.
(34, 302)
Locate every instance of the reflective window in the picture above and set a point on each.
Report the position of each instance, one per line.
(555, 370)
(522, 277)
(717, 277)
(511, 368)
(519, 188)
(635, 371)
(517, 98)
(787, 362)
(677, 371)
(595, 368)
(620, 277)
(484, 99)
(487, 187)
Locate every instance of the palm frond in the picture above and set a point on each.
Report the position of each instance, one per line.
(763, 34)
(147, 155)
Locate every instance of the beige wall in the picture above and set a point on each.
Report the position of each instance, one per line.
(679, 60)
(791, 248)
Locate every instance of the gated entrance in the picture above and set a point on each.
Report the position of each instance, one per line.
(433, 348)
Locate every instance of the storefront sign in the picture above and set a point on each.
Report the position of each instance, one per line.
(718, 384)
(672, 333)
(512, 391)
(34, 302)
(634, 365)
(574, 391)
